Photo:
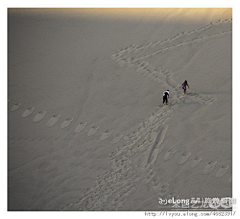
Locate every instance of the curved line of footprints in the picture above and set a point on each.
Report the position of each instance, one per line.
(67, 122)
(112, 188)
(131, 56)
(163, 188)
(196, 35)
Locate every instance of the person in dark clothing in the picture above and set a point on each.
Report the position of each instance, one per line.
(165, 97)
(184, 86)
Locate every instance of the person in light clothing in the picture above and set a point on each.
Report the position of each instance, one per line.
(165, 97)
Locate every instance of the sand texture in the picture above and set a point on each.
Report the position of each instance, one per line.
(85, 127)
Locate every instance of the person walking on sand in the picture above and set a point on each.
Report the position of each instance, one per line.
(165, 97)
(184, 86)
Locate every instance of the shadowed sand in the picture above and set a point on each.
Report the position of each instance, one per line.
(104, 71)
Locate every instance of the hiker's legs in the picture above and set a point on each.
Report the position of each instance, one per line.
(184, 89)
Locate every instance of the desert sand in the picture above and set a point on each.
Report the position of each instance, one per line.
(85, 128)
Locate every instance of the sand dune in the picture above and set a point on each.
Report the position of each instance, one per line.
(85, 127)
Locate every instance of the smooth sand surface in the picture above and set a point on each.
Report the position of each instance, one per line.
(85, 126)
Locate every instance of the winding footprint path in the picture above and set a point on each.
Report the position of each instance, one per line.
(134, 161)
(128, 169)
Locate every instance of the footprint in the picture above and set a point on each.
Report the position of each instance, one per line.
(92, 131)
(15, 107)
(53, 120)
(222, 171)
(106, 134)
(114, 56)
(165, 186)
(28, 112)
(184, 157)
(66, 123)
(39, 116)
(148, 179)
(117, 138)
(209, 168)
(164, 190)
(80, 127)
(196, 162)
(169, 154)
(122, 63)
(155, 182)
